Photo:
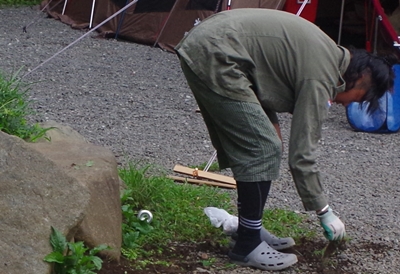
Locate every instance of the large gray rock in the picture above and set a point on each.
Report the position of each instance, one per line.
(95, 168)
(66, 183)
(34, 195)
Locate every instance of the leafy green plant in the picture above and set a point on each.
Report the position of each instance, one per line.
(73, 258)
(208, 262)
(133, 227)
(14, 109)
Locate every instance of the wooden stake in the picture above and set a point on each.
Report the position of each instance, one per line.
(201, 182)
(205, 174)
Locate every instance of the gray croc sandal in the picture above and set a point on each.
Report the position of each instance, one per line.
(266, 236)
(276, 242)
(265, 257)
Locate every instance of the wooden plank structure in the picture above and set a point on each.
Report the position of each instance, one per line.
(201, 177)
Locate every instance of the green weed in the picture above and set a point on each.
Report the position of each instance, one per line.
(209, 262)
(14, 110)
(72, 258)
(318, 252)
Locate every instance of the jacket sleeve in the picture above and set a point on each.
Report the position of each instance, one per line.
(311, 109)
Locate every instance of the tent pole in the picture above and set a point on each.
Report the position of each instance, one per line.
(341, 23)
(217, 7)
(305, 2)
(166, 21)
(91, 15)
(378, 18)
(65, 5)
(120, 21)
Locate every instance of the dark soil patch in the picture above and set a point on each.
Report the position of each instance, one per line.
(188, 258)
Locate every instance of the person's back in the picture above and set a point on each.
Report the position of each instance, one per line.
(276, 50)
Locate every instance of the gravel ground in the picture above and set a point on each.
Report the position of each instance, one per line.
(134, 100)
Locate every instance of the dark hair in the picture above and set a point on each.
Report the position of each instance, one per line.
(380, 69)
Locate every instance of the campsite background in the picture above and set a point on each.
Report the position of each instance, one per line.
(134, 100)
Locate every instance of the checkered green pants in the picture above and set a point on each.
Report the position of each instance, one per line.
(241, 132)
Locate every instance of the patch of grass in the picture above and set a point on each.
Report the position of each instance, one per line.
(14, 109)
(9, 3)
(177, 210)
(178, 215)
(286, 223)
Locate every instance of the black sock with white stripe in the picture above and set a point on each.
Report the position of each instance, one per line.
(251, 201)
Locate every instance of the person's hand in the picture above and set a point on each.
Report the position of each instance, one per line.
(333, 226)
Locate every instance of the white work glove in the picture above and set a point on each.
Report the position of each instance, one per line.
(333, 226)
(220, 217)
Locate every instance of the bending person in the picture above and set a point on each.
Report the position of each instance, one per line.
(246, 65)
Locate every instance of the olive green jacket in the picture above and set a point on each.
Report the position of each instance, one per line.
(281, 61)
